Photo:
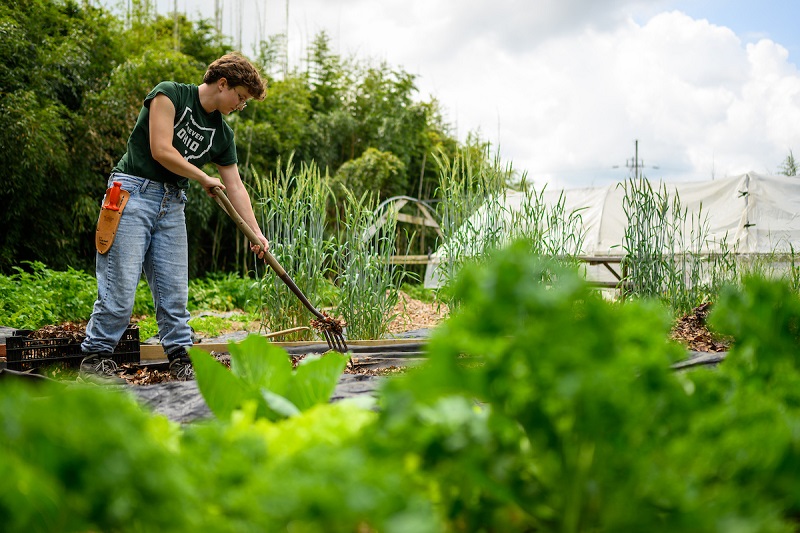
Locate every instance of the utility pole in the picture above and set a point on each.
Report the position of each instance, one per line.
(286, 44)
(218, 19)
(239, 16)
(176, 33)
(635, 165)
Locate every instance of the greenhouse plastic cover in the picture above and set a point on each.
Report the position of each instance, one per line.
(751, 213)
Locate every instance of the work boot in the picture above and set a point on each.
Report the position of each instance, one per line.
(100, 365)
(180, 366)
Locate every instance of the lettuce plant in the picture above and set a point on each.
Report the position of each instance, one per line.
(261, 373)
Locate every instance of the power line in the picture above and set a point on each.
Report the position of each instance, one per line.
(635, 165)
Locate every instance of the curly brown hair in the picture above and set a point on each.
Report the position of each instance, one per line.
(239, 72)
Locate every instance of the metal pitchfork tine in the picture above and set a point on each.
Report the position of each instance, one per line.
(330, 328)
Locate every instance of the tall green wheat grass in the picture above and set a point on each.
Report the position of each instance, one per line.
(292, 206)
(367, 280)
(476, 220)
(670, 254)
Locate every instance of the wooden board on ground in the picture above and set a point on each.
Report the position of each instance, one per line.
(154, 352)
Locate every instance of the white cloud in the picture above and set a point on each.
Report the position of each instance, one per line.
(698, 100)
(566, 86)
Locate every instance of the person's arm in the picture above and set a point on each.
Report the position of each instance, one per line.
(162, 120)
(241, 202)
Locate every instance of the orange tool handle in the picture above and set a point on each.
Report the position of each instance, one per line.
(112, 201)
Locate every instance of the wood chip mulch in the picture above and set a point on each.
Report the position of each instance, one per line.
(691, 331)
(143, 375)
(68, 330)
(411, 314)
(387, 371)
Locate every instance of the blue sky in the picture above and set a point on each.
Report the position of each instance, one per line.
(751, 20)
(563, 88)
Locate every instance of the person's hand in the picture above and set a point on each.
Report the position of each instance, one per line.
(209, 182)
(260, 249)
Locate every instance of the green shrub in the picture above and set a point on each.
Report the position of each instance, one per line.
(223, 292)
(148, 327)
(418, 291)
(36, 296)
(40, 296)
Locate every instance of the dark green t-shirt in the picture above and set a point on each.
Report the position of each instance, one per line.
(199, 136)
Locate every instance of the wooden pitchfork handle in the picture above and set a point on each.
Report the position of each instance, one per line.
(330, 329)
(226, 205)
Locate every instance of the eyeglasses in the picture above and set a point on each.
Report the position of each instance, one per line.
(242, 100)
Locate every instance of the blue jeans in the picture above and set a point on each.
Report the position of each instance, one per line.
(151, 237)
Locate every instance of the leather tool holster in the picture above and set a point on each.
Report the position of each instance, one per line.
(110, 214)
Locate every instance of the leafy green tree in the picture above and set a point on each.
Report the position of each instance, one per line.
(275, 127)
(326, 74)
(197, 39)
(53, 54)
(269, 54)
(357, 106)
(332, 122)
(383, 101)
(381, 174)
(73, 79)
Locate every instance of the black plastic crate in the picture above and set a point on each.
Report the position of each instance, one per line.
(25, 353)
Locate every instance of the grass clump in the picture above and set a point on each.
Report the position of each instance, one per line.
(671, 255)
(292, 207)
(368, 283)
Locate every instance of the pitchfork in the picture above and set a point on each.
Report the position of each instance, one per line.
(328, 326)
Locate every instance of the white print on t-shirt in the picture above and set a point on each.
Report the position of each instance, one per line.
(193, 139)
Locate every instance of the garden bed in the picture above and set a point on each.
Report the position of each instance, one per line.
(413, 318)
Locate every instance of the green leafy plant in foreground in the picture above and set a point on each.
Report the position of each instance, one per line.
(262, 374)
(545, 408)
(542, 408)
(569, 383)
(87, 459)
(113, 460)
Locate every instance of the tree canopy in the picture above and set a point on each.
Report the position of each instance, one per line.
(73, 80)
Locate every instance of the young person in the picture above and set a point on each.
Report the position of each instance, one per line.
(180, 128)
